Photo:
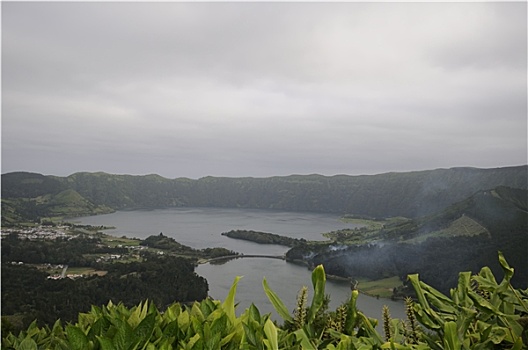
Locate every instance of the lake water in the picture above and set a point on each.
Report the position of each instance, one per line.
(202, 227)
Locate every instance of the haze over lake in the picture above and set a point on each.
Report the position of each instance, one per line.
(202, 227)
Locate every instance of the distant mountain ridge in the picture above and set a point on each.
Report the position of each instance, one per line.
(409, 194)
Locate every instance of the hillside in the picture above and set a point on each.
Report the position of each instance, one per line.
(410, 194)
(465, 235)
(30, 185)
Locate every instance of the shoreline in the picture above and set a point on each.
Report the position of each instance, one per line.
(342, 279)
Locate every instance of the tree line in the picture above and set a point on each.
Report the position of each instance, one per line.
(28, 295)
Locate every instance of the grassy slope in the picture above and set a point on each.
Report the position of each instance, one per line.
(497, 217)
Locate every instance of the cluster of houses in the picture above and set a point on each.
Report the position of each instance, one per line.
(56, 232)
(108, 257)
(71, 276)
(40, 232)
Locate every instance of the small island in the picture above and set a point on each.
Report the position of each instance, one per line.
(263, 237)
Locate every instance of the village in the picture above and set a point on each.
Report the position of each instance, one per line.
(130, 249)
(39, 232)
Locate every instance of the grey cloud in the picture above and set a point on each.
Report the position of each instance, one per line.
(487, 41)
(191, 89)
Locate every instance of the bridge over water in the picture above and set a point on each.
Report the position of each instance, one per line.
(227, 257)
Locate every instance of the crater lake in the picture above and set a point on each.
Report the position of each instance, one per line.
(203, 227)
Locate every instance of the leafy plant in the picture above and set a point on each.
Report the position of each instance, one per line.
(479, 314)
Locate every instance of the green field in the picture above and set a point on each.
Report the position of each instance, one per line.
(83, 271)
(463, 226)
(123, 241)
(368, 223)
(382, 288)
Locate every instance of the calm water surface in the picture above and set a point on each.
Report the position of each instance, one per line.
(202, 227)
(285, 279)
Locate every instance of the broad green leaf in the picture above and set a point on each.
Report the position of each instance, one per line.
(451, 341)
(172, 312)
(166, 345)
(271, 334)
(318, 282)
(76, 338)
(227, 338)
(276, 302)
(465, 319)
(219, 324)
(508, 271)
(57, 329)
(497, 334)
(306, 343)
(229, 302)
(216, 314)
(442, 299)
(85, 319)
(484, 305)
(183, 320)
(370, 330)
(32, 329)
(418, 289)
(250, 335)
(207, 306)
(138, 314)
(194, 339)
(197, 325)
(171, 329)
(460, 294)
(440, 304)
(106, 343)
(351, 317)
(518, 344)
(424, 312)
(196, 312)
(143, 331)
(430, 339)
(213, 342)
(514, 329)
(254, 313)
(98, 328)
(344, 344)
(124, 337)
(393, 345)
(424, 318)
(28, 344)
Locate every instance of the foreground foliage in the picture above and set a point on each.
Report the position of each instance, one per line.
(479, 314)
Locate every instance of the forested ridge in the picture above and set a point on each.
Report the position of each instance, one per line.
(410, 194)
(425, 244)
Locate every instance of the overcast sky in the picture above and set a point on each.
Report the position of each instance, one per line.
(262, 89)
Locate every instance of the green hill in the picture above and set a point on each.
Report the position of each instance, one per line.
(70, 203)
(67, 203)
(30, 185)
(465, 235)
